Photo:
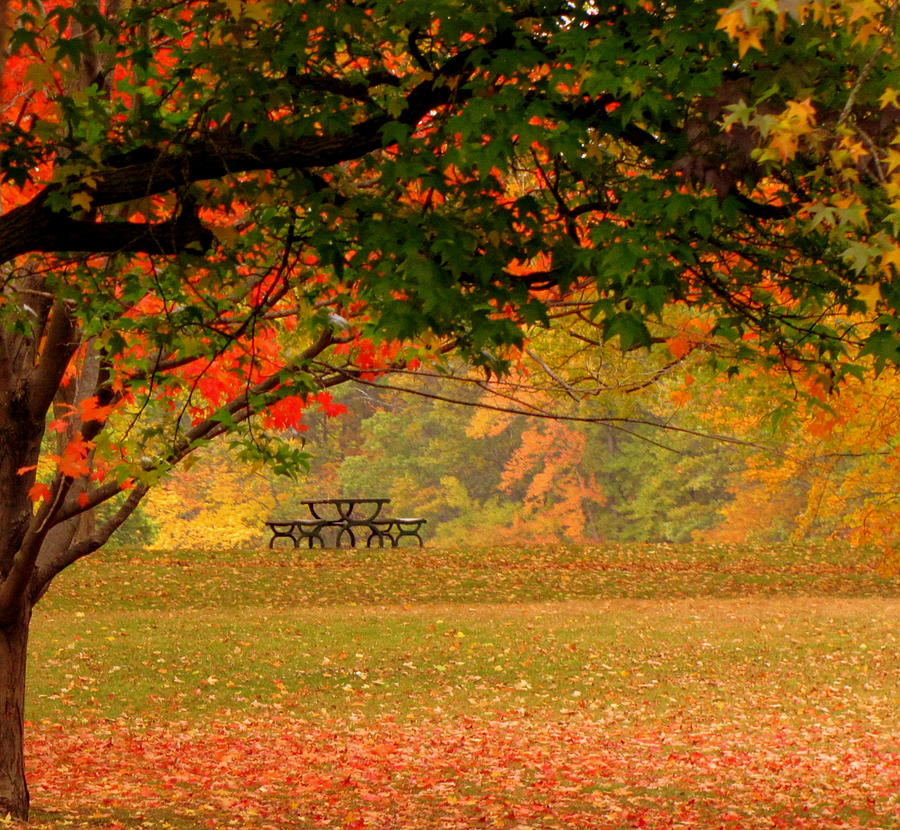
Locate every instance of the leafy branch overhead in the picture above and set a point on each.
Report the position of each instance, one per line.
(717, 157)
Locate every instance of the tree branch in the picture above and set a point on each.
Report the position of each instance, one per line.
(48, 570)
(60, 342)
(239, 409)
(12, 589)
(147, 172)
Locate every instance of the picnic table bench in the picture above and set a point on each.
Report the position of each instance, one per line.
(348, 520)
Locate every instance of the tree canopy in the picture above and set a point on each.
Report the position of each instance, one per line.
(468, 157)
(213, 209)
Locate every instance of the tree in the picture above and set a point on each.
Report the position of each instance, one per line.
(213, 210)
(420, 453)
(835, 475)
(215, 504)
(576, 444)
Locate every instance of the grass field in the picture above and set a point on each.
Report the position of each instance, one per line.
(643, 686)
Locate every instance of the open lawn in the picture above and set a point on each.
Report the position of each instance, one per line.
(643, 686)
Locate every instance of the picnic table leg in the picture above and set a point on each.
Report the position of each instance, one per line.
(312, 530)
(345, 529)
(282, 534)
(380, 530)
(407, 527)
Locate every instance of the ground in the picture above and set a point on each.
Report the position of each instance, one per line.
(614, 687)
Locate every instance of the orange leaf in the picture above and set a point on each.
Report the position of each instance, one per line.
(822, 427)
(679, 346)
(39, 491)
(74, 458)
(58, 425)
(90, 410)
(680, 397)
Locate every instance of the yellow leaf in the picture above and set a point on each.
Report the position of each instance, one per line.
(869, 294)
(862, 10)
(785, 144)
(83, 199)
(866, 32)
(749, 40)
(889, 97)
(893, 160)
(889, 258)
(731, 22)
(857, 151)
(801, 110)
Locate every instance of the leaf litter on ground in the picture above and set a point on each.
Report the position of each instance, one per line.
(534, 693)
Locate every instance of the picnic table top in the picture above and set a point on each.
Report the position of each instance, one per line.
(368, 509)
(344, 501)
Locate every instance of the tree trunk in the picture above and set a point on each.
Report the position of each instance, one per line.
(13, 788)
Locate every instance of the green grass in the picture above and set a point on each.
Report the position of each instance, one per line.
(672, 657)
(291, 579)
(403, 631)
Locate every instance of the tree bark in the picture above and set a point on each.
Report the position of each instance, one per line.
(13, 787)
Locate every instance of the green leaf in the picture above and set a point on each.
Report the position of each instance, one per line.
(629, 328)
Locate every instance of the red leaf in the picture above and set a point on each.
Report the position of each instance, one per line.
(57, 425)
(74, 458)
(90, 410)
(39, 492)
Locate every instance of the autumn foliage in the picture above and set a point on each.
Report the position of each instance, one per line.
(511, 771)
(213, 213)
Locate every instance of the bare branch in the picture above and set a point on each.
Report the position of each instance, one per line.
(612, 422)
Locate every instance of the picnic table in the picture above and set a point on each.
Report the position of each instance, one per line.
(347, 520)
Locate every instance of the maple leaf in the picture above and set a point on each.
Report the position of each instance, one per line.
(747, 40)
(893, 160)
(803, 111)
(822, 427)
(869, 294)
(328, 405)
(58, 425)
(90, 410)
(73, 462)
(891, 258)
(889, 97)
(785, 143)
(679, 346)
(731, 22)
(83, 200)
(866, 32)
(39, 492)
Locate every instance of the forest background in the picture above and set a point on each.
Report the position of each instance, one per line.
(657, 447)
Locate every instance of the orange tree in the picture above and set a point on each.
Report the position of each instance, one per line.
(213, 210)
